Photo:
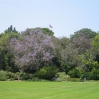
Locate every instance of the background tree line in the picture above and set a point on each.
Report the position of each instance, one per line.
(37, 51)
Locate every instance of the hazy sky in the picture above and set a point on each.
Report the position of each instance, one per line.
(66, 16)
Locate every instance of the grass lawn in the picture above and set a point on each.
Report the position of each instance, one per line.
(48, 90)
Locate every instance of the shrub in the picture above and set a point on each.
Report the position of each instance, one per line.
(47, 72)
(11, 76)
(22, 76)
(85, 75)
(74, 73)
(61, 76)
(3, 75)
(94, 74)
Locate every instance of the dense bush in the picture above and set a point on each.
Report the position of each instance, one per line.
(74, 73)
(94, 74)
(85, 75)
(3, 76)
(61, 76)
(23, 76)
(47, 72)
(11, 76)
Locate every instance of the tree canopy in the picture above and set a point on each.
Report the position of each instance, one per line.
(38, 51)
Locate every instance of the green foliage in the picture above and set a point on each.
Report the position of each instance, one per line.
(6, 58)
(74, 73)
(48, 31)
(61, 76)
(85, 75)
(95, 43)
(57, 59)
(90, 65)
(84, 31)
(47, 72)
(11, 29)
(3, 76)
(23, 76)
(64, 42)
(95, 47)
(80, 50)
(95, 64)
(94, 74)
(65, 67)
(11, 76)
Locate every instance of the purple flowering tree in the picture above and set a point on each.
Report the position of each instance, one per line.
(32, 49)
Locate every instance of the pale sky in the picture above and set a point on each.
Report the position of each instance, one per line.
(66, 16)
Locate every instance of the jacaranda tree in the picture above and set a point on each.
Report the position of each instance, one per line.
(32, 50)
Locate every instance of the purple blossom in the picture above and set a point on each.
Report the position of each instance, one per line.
(32, 48)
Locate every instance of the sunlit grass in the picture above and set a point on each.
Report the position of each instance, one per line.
(49, 90)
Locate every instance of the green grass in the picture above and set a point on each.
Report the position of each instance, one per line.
(48, 90)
